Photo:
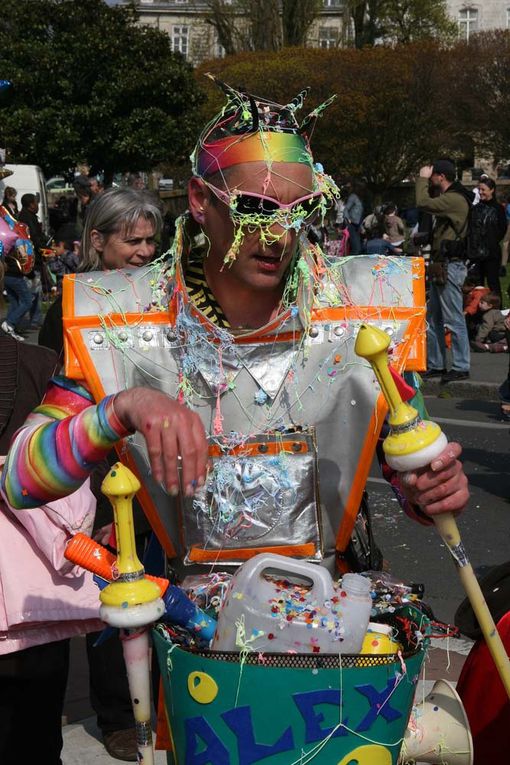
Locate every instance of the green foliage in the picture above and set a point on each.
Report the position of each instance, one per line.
(410, 20)
(88, 83)
(399, 21)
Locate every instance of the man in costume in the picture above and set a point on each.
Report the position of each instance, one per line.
(247, 337)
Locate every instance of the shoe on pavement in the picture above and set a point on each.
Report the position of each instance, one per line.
(10, 331)
(432, 373)
(121, 744)
(499, 347)
(453, 375)
(478, 347)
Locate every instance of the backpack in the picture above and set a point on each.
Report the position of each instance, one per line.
(460, 247)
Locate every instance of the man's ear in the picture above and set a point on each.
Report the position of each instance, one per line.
(97, 240)
(198, 198)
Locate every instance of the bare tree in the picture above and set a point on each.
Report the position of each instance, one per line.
(297, 17)
(262, 25)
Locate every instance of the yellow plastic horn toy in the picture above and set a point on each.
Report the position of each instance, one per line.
(412, 444)
(131, 603)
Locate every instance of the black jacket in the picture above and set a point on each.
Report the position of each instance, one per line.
(486, 230)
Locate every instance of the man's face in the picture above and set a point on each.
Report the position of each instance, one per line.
(34, 207)
(437, 180)
(262, 261)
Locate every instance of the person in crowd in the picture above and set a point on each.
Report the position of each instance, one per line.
(486, 230)
(473, 293)
(447, 270)
(16, 250)
(353, 215)
(43, 600)
(120, 231)
(372, 224)
(506, 239)
(85, 197)
(95, 185)
(393, 225)
(28, 215)
(64, 260)
(254, 190)
(9, 201)
(491, 332)
(135, 181)
(41, 281)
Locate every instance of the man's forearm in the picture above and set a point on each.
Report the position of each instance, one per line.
(50, 458)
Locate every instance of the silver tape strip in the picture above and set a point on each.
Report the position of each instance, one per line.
(459, 555)
(130, 576)
(143, 733)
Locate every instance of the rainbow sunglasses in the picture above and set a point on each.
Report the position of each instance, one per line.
(247, 204)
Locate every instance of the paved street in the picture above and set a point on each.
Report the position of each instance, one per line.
(416, 553)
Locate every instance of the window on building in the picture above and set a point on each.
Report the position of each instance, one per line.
(508, 18)
(468, 22)
(332, 3)
(180, 36)
(328, 37)
(180, 2)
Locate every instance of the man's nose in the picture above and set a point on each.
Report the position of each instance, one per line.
(278, 238)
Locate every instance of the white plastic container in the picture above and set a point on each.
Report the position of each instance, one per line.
(278, 604)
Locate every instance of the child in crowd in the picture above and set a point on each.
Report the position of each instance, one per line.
(65, 260)
(491, 332)
(472, 296)
(393, 225)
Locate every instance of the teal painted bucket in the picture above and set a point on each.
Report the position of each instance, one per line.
(286, 709)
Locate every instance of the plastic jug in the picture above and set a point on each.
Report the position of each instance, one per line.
(279, 604)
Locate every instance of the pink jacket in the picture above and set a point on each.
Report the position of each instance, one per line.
(43, 597)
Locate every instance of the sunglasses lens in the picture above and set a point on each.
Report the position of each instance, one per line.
(253, 205)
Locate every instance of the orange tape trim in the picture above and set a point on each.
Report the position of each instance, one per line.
(254, 450)
(198, 555)
(411, 355)
(81, 360)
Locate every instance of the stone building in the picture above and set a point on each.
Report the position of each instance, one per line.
(190, 34)
(479, 15)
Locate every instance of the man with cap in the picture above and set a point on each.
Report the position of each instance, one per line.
(447, 268)
(248, 336)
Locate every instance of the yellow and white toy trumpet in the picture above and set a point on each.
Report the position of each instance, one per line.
(412, 444)
(132, 602)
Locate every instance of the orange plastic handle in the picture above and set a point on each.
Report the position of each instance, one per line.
(90, 555)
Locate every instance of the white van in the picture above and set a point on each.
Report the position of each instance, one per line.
(28, 179)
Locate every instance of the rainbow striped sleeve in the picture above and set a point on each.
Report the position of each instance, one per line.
(60, 444)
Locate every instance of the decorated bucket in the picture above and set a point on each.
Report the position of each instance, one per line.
(286, 709)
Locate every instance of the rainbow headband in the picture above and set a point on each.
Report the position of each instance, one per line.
(261, 146)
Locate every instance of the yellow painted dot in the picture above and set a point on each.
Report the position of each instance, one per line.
(373, 754)
(202, 687)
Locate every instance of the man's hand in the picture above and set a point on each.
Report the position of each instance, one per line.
(440, 488)
(426, 171)
(171, 430)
